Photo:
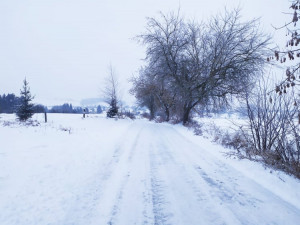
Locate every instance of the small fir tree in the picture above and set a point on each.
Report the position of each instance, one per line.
(113, 109)
(26, 108)
(99, 109)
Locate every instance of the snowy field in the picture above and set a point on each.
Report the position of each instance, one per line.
(101, 171)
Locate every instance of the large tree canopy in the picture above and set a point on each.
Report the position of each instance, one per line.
(190, 64)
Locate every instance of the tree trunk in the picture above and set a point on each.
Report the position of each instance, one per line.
(186, 115)
(151, 114)
(152, 108)
(167, 111)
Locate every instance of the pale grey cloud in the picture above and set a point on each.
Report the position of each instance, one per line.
(64, 47)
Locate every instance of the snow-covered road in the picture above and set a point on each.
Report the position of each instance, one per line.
(120, 172)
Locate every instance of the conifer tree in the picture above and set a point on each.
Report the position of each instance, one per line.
(25, 109)
(99, 109)
(113, 109)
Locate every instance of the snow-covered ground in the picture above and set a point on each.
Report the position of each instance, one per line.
(101, 171)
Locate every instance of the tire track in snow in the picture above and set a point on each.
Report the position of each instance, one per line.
(157, 194)
(220, 190)
(92, 191)
(162, 178)
(142, 187)
(108, 179)
(116, 208)
(226, 187)
(119, 150)
(201, 195)
(180, 195)
(147, 186)
(214, 193)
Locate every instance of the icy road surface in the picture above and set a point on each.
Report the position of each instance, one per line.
(99, 171)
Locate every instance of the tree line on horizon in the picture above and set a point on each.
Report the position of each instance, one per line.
(9, 103)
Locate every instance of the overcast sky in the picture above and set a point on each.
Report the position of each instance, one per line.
(64, 47)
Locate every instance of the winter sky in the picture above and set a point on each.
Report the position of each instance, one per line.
(64, 47)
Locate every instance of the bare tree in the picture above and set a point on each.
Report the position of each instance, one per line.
(153, 90)
(203, 62)
(111, 92)
(144, 90)
(272, 126)
(267, 117)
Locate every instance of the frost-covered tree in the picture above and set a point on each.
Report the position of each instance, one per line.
(153, 91)
(192, 64)
(25, 109)
(144, 91)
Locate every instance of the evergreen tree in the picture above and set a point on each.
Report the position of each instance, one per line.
(113, 109)
(25, 109)
(99, 109)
